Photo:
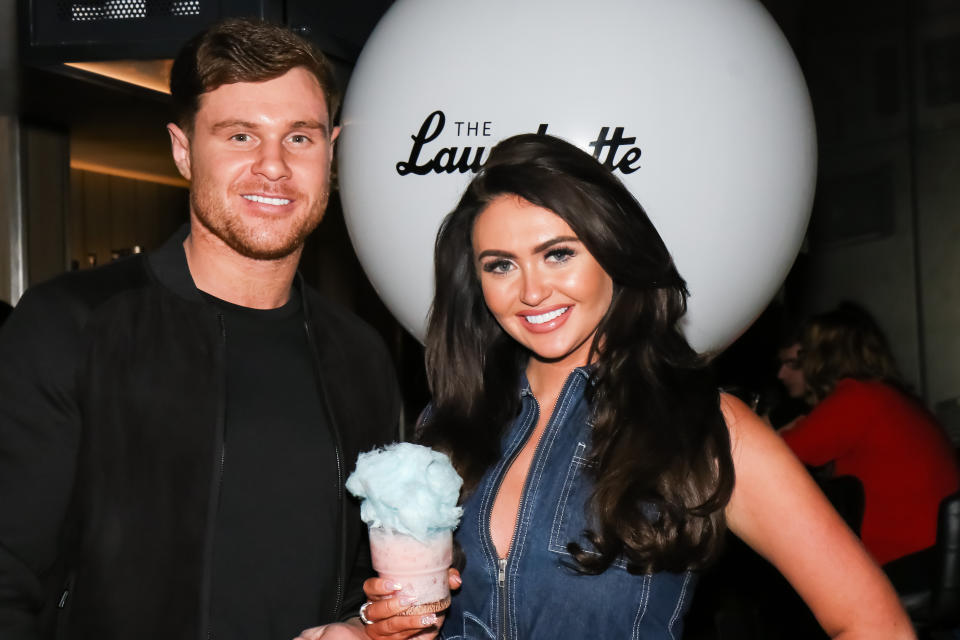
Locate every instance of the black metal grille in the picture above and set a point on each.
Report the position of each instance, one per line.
(70, 30)
(107, 10)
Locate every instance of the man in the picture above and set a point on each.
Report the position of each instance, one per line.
(175, 429)
(790, 372)
(785, 410)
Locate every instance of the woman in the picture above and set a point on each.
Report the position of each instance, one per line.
(601, 467)
(866, 424)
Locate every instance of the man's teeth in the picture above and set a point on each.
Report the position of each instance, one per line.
(263, 200)
(546, 317)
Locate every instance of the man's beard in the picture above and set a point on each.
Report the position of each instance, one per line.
(258, 242)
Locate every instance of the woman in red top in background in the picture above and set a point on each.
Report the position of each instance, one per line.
(869, 427)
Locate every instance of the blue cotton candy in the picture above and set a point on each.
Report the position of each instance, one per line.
(407, 488)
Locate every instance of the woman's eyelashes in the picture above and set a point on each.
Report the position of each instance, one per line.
(499, 265)
(559, 254)
(554, 255)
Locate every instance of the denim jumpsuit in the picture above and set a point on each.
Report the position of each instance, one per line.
(533, 594)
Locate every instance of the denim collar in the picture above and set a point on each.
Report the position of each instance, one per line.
(586, 372)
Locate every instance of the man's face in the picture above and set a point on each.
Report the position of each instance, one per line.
(259, 163)
(791, 373)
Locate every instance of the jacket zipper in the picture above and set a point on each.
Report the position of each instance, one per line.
(502, 562)
(502, 582)
(220, 435)
(338, 454)
(60, 625)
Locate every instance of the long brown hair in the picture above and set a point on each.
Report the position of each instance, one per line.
(844, 343)
(658, 435)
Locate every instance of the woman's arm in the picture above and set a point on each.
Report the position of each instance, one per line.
(777, 509)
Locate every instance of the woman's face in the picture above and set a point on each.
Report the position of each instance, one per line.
(538, 280)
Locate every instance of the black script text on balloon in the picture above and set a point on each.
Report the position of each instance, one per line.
(626, 163)
(473, 128)
(445, 160)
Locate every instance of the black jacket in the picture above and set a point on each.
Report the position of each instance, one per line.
(111, 428)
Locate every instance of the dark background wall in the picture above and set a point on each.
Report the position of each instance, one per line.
(884, 78)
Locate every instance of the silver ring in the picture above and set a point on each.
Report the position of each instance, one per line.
(363, 613)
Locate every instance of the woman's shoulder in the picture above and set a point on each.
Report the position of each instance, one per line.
(734, 409)
(741, 420)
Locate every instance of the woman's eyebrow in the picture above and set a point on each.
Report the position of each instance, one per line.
(543, 246)
(499, 253)
(549, 243)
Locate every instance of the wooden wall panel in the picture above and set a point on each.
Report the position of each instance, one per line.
(111, 215)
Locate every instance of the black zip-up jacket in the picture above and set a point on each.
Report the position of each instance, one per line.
(112, 407)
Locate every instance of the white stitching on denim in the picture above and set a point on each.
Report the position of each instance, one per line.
(559, 418)
(555, 546)
(576, 465)
(481, 524)
(565, 401)
(516, 550)
(572, 470)
(478, 622)
(575, 469)
(642, 611)
(679, 607)
(483, 521)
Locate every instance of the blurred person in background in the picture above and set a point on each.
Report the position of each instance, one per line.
(790, 372)
(792, 403)
(866, 423)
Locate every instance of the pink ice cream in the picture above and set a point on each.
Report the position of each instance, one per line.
(420, 567)
(410, 495)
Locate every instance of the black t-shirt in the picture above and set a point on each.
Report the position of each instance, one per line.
(274, 556)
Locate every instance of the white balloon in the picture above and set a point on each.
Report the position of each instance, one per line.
(717, 138)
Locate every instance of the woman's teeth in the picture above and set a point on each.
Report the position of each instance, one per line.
(546, 317)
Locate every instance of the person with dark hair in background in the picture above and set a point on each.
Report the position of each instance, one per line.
(175, 428)
(601, 466)
(869, 427)
(790, 375)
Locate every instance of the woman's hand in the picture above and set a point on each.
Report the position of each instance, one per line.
(393, 628)
(385, 602)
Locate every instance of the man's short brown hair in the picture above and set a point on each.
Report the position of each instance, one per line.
(243, 50)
